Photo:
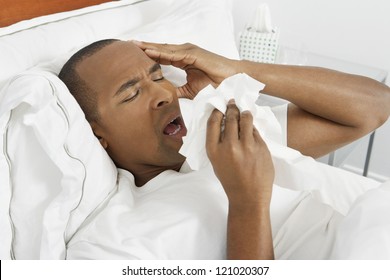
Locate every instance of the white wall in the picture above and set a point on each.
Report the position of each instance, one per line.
(352, 30)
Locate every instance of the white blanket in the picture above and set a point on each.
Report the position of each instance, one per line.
(365, 232)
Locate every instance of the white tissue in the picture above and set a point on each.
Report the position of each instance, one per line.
(261, 22)
(245, 91)
(260, 40)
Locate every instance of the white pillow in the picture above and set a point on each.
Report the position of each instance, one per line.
(58, 171)
(54, 172)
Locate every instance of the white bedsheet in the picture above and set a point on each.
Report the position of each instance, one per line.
(365, 231)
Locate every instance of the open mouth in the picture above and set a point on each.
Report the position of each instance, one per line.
(175, 127)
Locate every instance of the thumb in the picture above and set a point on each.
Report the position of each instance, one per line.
(185, 91)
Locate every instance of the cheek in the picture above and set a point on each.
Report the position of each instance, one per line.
(132, 130)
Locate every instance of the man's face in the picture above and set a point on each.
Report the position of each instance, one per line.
(140, 121)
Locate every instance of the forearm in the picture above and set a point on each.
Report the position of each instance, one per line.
(339, 97)
(249, 233)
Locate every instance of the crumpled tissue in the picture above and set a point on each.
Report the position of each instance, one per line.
(245, 91)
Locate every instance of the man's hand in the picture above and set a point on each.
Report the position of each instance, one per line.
(202, 67)
(240, 157)
(243, 164)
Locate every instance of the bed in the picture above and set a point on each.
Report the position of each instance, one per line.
(51, 163)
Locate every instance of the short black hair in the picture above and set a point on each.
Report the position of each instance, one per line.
(85, 96)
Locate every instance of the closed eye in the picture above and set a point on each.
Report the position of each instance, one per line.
(132, 96)
(158, 79)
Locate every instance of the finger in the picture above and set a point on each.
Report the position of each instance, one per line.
(257, 137)
(139, 44)
(232, 119)
(185, 92)
(179, 59)
(262, 144)
(156, 46)
(168, 54)
(213, 133)
(246, 126)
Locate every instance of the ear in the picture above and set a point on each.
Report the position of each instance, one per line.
(97, 130)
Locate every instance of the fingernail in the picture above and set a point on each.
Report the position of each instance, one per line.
(136, 42)
(231, 101)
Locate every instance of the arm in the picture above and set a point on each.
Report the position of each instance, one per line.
(243, 164)
(328, 109)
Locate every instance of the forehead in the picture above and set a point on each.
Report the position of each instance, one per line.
(108, 67)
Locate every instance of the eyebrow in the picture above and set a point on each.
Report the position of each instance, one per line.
(128, 84)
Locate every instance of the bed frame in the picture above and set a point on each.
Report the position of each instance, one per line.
(13, 11)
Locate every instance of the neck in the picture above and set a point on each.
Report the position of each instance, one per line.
(144, 175)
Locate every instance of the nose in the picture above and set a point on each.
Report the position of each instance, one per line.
(160, 96)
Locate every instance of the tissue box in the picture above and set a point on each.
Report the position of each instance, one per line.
(259, 46)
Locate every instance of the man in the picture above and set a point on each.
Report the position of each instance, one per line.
(134, 111)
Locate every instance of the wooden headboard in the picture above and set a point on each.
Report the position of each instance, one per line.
(12, 11)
